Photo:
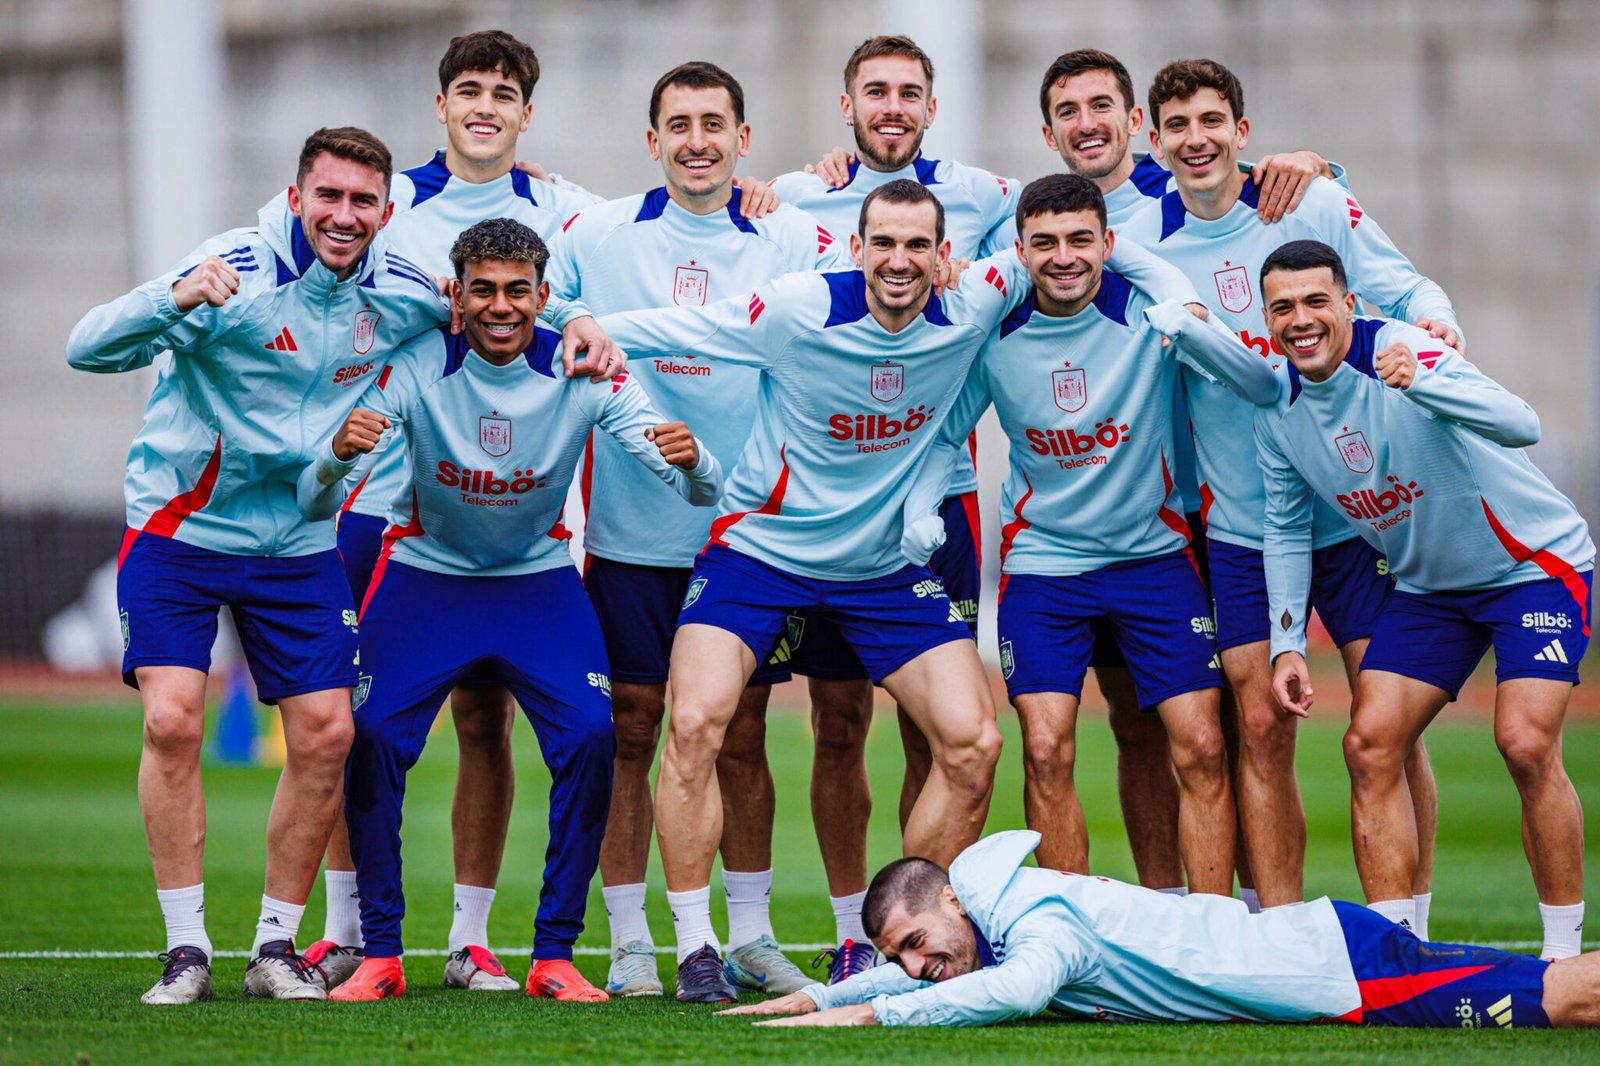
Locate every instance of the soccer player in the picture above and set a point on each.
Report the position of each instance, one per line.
(1209, 227)
(888, 102)
(993, 940)
(1421, 455)
(267, 326)
(493, 432)
(686, 244)
(1082, 379)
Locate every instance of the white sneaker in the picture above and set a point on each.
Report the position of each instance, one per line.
(185, 979)
(762, 966)
(337, 962)
(633, 970)
(278, 973)
(477, 969)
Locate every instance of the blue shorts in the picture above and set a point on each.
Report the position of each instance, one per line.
(638, 611)
(1538, 629)
(360, 541)
(294, 616)
(1156, 607)
(822, 651)
(1107, 655)
(888, 621)
(1415, 983)
(1349, 585)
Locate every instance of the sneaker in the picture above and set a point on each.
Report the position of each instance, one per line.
(701, 980)
(633, 970)
(560, 980)
(374, 979)
(186, 978)
(761, 966)
(477, 970)
(336, 962)
(278, 973)
(847, 960)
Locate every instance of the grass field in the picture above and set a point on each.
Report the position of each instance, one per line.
(74, 878)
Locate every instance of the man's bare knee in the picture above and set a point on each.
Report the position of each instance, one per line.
(1371, 757)
(971, 760)
(173, 732)
(1530, 754)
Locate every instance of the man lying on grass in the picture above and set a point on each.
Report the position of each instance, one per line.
(991, 941)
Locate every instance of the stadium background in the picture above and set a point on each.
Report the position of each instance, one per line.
(1468, 128)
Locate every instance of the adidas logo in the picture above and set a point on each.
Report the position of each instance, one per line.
(1500, 1011)
(1215, 663)
(283, 343)
(272, 919)
(458, 908)
(1553, 653)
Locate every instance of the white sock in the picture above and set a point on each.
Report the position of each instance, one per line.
(1563, 931)
(1252, 900)
(343, 924)
(184, 911)
(1424, 903)
(691, 918)
(1176, 890)
(847, 917)
(471, 922)
(1399, 911)
(749, 906)
(625, 909)
(278, 921)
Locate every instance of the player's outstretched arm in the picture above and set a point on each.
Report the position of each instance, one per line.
(793, 1003)
(923, 529)
(1041, 957)
(1287, 542)
(601, 357)
(322, 485)
(1207, 345)
(833, 167)
(178, 311)
(836, 1017)
(668, 449)
(739, 330)
(1283, 180)
(1150, 272)
(1455, 389)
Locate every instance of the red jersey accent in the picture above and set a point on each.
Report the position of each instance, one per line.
(773, 505)
(165, 522)
(1550, 563)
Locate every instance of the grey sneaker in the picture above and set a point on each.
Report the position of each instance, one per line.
(278, 973)
(633, 970)
(761, 966)
(477, 969)
(337, 962)
(186, 978)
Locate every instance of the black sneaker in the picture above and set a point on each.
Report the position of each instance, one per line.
(186, 978)
(701, 978)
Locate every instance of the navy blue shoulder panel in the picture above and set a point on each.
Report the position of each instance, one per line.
(455, 350)
(429, 179)
(926, 170)
(541, 353)
(933, 311)
(1364, 345)
(1173, 214)
(1250, 192)
(1150, 177)
(855, 165)
(740, 223)
(1112, 299)
(1019, 315)
(847, 293)
(655, 202)
(522, 185)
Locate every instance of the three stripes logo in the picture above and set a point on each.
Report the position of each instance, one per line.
(824, 240)
(1500, 1011)
(1355, 211)
(1428, 359)
(756, 307)
(282, 343)
(1553, 653)
(993, 278)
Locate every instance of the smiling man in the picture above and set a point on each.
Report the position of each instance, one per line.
(267, 327)
(993, 941)
(493, 431)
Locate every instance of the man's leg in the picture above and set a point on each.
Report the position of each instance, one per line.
(171, 799)
(1572, 992)
(1147, 787)
(1206, 816)
(919, 760)
(841, 794)
(1049, 794)
(1271, 815)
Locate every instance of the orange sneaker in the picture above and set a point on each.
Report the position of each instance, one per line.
(560, 980)
(374, 979)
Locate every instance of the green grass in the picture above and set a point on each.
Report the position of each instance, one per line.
(74, 876)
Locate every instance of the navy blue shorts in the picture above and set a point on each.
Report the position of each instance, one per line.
(638, 611)
(1157, 608)
(887, 620)
(360, 541)
(1106, 654)
(294, 615)
(1419, 984)
(1350, 583)
(819, 649)
(1239, 591)
(1538, 629)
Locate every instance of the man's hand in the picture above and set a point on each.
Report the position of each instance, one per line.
(1283, 180)
(858, 1014)
(793, 1003)
(948, 276)
(535, 171)
(756, 198)
(1291, 684)
(212, 282)
(1444, 331)
(359, 434)
(675, 443)
(833, 168)
(602, 359)
(1396, 366)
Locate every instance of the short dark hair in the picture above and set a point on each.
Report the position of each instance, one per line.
(346, 142)
(499, 238)
(1082, 61)
(1058, 194)
(1182, 78)
(698, 74)
(490, 50)
(1305, 255)
(913, 883)
(886, 45)
(903, 191)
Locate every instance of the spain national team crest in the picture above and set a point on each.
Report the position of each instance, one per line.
(888, 382)
(366, 331)
(1233, 288)
(494, 435)
(696, 587)
(1354, 451)
(125, 631)
(363, 690)
(1071, 389)
(690, 285)
(1008, 660)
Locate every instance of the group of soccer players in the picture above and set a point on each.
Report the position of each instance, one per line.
(1206, 439)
